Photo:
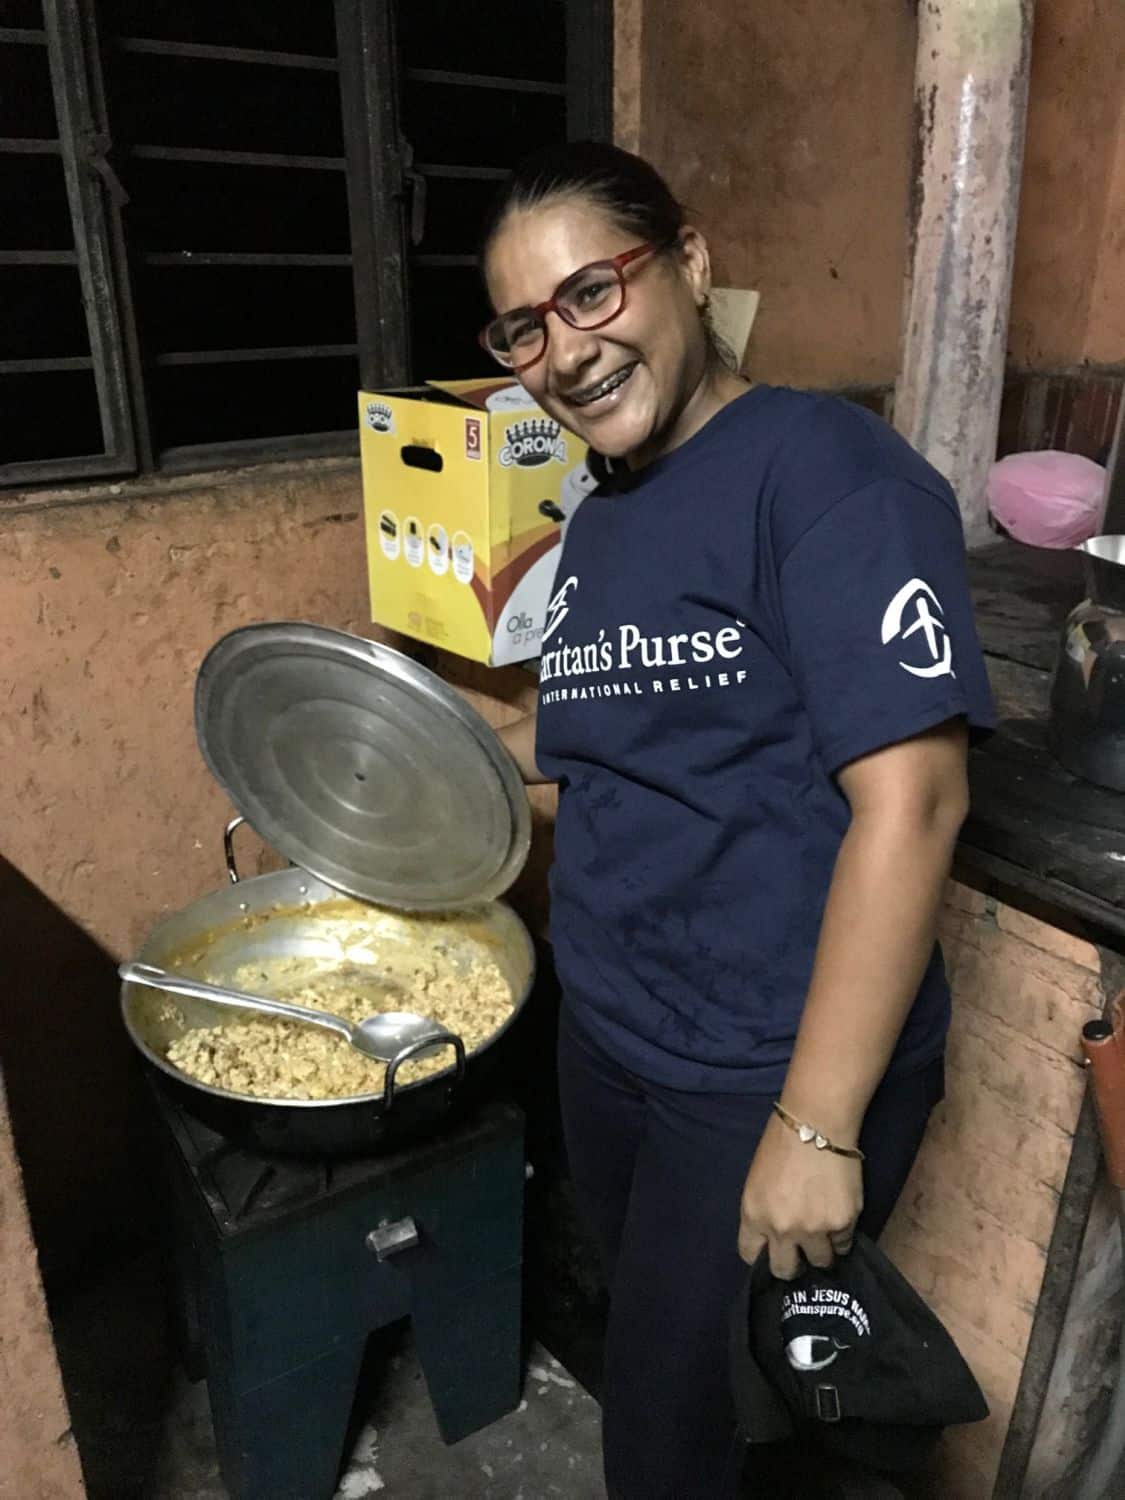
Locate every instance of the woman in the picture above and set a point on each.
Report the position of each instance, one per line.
(759, 673)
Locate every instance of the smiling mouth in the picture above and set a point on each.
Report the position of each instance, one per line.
(606, 387)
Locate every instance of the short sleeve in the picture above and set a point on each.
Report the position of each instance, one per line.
(879, 621)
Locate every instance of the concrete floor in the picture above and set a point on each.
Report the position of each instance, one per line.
(144, 1430)
(547, 1448)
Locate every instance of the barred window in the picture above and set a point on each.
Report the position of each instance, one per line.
(221, 220)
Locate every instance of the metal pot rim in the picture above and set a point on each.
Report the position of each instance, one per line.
(1106, 547)
(317, 892)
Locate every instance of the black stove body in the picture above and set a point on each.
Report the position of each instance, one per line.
(284, 1266)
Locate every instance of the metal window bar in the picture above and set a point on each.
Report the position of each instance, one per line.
(377, 164)
(184, 457)
(193, 457)
(237, 158)
(145, 459)
(589, 70)
(205, 52)
(377, 184)
(48, 471)
(38, 257)
(46, 366)
(201, 458)
(484, 81)
(82, 141)
(22, 145)
(253, 356)
(238, 258)
(471, 174)
(26, 36)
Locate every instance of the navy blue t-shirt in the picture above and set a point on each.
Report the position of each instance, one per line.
(783, 593)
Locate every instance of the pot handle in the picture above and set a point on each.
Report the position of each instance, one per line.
(442, 1038)
(228, 848)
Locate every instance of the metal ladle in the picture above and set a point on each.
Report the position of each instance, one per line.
(390, 1037)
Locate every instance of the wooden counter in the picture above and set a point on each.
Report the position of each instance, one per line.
(1005, 1225)
(1054, 839)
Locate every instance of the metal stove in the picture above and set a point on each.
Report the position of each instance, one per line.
(284, 1266)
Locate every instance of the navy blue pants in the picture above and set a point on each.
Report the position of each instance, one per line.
(658, 1177)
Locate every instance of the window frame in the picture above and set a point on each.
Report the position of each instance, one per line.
(385, 190)
(81, 142)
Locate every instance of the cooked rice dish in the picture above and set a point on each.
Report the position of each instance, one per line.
(277, 1059)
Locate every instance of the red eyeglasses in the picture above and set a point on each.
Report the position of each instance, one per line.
(589, 298)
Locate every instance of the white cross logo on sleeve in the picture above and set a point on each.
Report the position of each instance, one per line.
(936, 637)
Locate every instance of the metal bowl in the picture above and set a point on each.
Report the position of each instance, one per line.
(1103, 564)
(290, 914)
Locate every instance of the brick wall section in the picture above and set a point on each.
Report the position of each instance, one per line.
(38, 1456)
(973, 1225)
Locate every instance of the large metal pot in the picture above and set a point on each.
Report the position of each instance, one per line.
(397, 808)
(290, 913)
(1086, 725)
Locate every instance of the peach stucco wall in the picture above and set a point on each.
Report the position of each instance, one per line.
(752, 112)
(108, 817)
(106, 610)
(786, 127)
(1068, 297)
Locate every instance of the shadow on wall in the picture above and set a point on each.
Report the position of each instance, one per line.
(72, 1086)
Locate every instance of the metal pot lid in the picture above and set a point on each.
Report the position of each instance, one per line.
(361, 766)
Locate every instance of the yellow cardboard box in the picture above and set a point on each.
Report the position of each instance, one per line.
(467, 485)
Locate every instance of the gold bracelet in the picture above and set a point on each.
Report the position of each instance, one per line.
(809, 1134)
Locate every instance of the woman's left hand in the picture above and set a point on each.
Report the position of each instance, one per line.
(798, 1201)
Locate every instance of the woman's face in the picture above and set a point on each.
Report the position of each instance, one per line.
(657, 342)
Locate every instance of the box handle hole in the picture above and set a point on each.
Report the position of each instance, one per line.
(414, 456)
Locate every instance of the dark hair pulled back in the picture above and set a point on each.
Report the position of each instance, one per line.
(628, 189)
